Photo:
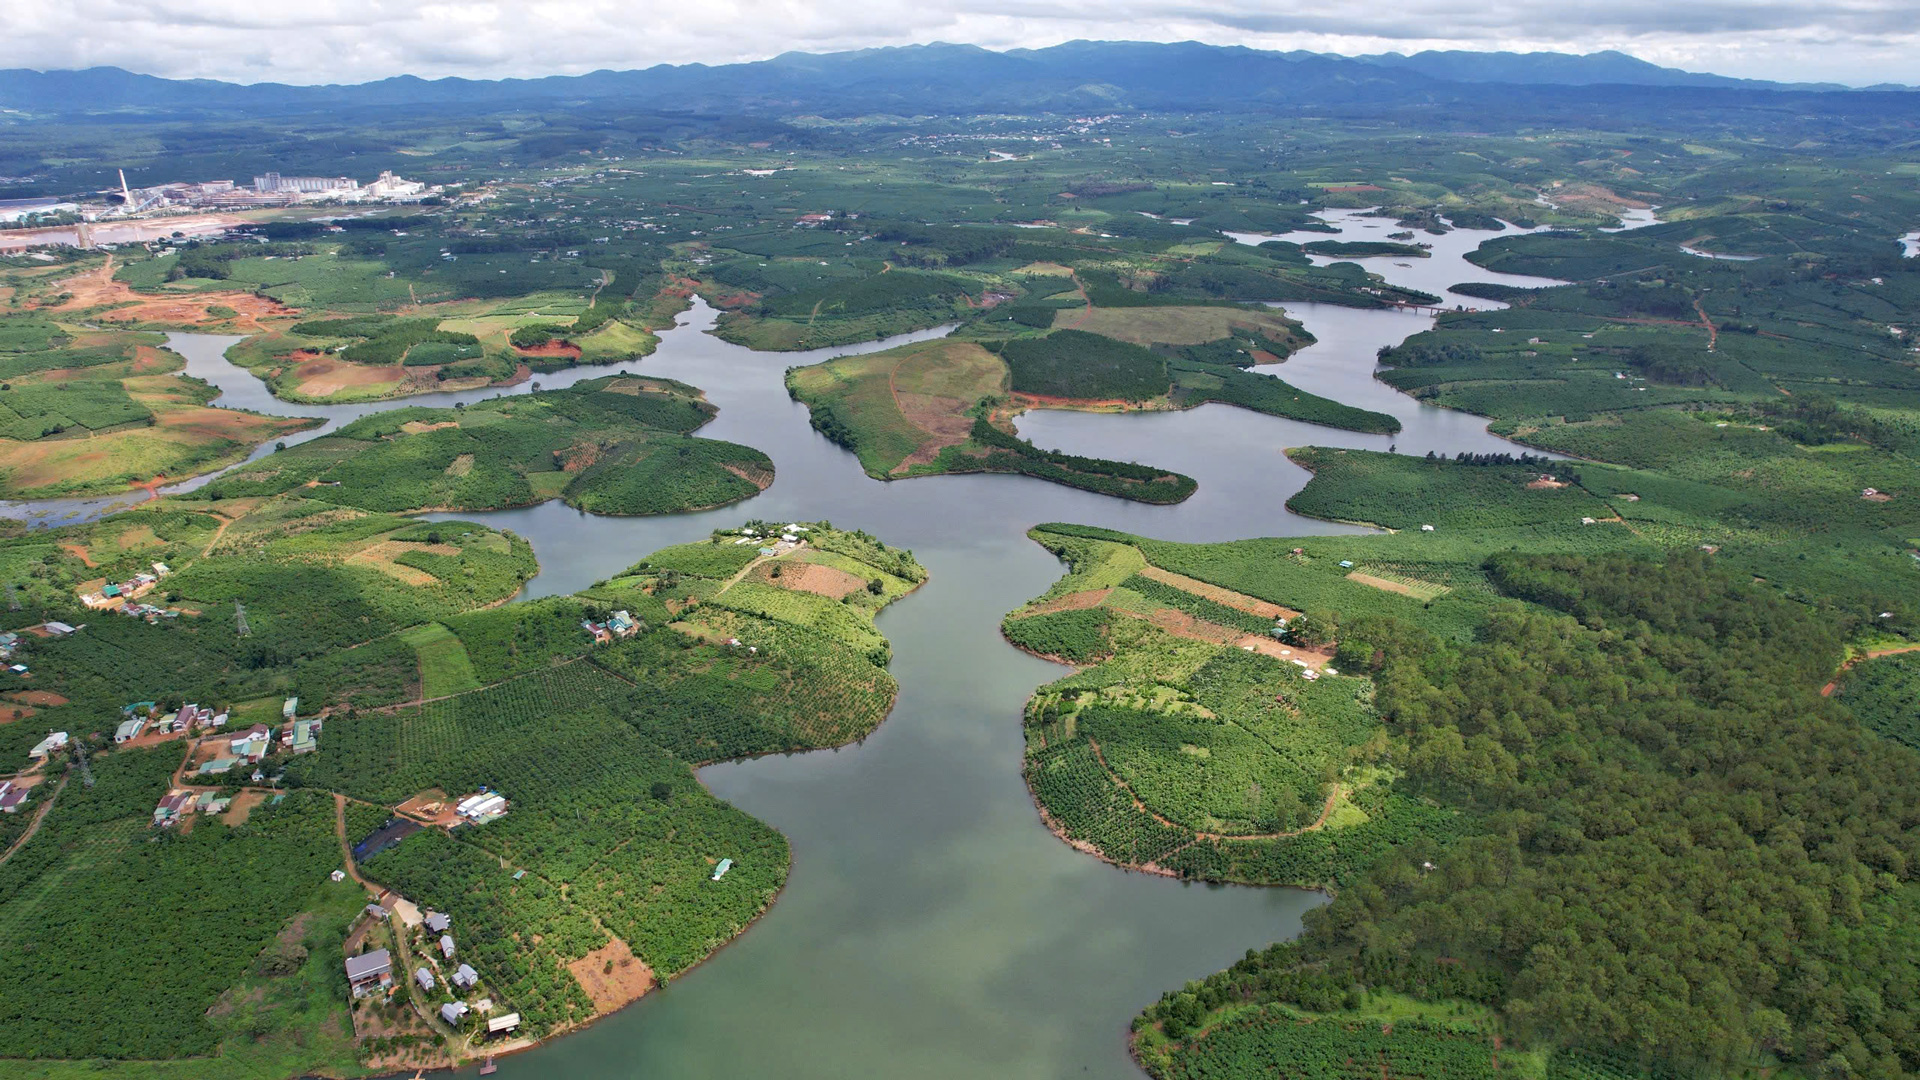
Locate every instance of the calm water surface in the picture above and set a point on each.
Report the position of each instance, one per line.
(932, 927)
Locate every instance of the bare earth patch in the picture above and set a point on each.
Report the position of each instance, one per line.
(1079, 601)
(326, 377)
(1423, 591)
(1225, 597)
(829, 581)
(36, 697)
(612, 976)
(242, 806)
(97, 288)
(380, 557)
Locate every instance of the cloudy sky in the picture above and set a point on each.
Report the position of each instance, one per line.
(320, 41)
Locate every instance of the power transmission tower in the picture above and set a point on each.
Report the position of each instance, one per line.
(80, 755)
(13, 599)
(240, 617)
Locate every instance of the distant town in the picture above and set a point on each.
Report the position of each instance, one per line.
(269, 189)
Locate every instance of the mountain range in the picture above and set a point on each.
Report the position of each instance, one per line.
(920, 79)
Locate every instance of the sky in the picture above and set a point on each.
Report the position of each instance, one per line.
(339, 41)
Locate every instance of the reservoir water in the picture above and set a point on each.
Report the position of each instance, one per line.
(932, 927)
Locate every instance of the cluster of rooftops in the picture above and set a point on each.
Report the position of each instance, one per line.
(372, 972)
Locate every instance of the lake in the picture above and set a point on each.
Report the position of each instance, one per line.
(932, 927)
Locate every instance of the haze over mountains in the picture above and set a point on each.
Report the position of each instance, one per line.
(931, 79)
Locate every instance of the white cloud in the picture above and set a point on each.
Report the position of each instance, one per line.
(318, 41)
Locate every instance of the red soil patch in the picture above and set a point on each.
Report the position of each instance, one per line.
(829, 581)
(34, 697)
(243, 805)
(1227, 597)
(1043, 401)
(97, 288)
(325, 377)
(431, 807)
(79, 551)
(612, 976)
(553, 349)
(1280, 651)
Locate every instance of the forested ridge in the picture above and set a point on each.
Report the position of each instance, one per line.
(1682, 851)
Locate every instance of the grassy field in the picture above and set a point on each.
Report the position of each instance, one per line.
(445, 669)
(88, 412)
(901, 407)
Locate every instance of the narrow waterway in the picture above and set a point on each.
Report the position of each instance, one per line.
(932, 927)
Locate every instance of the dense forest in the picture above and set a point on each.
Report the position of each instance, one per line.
(1681, 848)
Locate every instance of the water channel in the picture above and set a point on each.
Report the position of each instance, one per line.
(932, 927)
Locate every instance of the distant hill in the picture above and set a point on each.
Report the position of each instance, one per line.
(1566, 69)
(1091, 75)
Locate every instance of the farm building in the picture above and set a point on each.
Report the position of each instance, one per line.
(129, 730)
(482, 807)
(501, 1025)
(56, 629)
(721, 870)
(290, 708)
(369, 972)
(218, 766)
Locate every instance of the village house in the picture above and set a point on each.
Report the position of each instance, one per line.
(251, 744)
(453, 1012)
(465, 977)
(598, 631)
(55, 741)
(437, 922)
(424, 978)
(290, 708)
(623, 624)
(369, 972)
(129, 730)
(302, 736)
(446, 946)
(172, 807)
(13, 797)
